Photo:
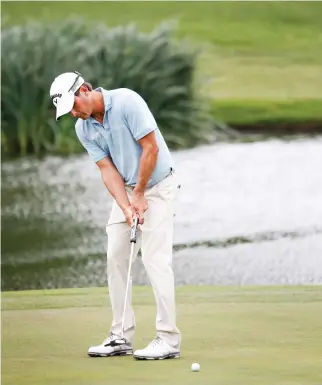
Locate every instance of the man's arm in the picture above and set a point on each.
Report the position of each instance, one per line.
(148, 162)
(142, 125)
(110, 175)
(113, 182)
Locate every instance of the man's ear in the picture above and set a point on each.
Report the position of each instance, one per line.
(83, 89)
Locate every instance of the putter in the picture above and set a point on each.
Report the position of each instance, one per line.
(122, 340)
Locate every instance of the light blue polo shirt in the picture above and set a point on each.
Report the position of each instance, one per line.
(127, 119)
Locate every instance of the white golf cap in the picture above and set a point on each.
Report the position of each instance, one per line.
(62, 91)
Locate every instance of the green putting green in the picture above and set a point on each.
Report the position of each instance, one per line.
(250, 335)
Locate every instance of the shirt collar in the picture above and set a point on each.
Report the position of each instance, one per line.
(106, 97)
(107, 101)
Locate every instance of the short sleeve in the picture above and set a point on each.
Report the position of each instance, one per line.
(94, 151)
(138, 116)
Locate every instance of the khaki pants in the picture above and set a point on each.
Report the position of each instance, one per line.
(155, 240)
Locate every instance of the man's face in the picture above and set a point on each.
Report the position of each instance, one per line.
(82, 104)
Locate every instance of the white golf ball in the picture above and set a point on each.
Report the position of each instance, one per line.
(195, 367)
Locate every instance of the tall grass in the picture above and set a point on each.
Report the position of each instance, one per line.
(152, 64)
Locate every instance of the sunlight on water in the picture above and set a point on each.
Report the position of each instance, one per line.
(54, 213)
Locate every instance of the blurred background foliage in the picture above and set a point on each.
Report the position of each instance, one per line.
(150, 63)
(254, 66)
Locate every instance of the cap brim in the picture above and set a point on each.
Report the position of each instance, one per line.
(65, 104)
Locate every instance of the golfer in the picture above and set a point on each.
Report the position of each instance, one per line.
(120, 134)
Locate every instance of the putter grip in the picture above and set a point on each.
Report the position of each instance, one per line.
(134, 230)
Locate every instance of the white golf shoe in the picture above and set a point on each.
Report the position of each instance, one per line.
(108, 349)
(157, 350)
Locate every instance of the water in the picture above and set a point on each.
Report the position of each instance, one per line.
(248, 213)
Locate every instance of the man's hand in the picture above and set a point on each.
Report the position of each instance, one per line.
(136, 209)
(129, 214)
(139, 205)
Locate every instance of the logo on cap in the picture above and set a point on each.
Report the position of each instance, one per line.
(54, 98)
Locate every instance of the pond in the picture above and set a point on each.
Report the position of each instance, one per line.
(247, 213)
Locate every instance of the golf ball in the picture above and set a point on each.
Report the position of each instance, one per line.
(195, 367)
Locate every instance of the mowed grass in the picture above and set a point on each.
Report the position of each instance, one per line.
(251, 335)
(251, 50)
(268, 112)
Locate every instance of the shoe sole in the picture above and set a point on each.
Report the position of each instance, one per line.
(124, 353)
(168, 356)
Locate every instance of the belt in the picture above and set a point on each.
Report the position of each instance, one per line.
(170, 173)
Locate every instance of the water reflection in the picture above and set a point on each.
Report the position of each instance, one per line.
(248, 204)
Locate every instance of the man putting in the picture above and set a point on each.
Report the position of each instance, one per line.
(121, 136)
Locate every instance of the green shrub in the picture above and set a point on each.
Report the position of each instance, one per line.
(153, 64)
